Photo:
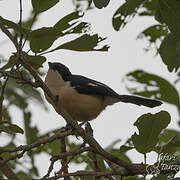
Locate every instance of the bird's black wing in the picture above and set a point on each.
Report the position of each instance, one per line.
(85, 85)
(88, 86)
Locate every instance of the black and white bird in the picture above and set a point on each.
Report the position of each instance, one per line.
(83, 98)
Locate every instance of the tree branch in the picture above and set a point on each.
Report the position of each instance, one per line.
(19, 77)
(37, 143)
(20, 24)
(8, 172)
(81, 173)
(10, 36)
(64, 162)
(2, 96)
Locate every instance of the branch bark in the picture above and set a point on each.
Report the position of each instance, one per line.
(8, 172)
(64, 161)
(10, 36)
(37, 143)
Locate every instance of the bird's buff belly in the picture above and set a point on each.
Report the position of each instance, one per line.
(82, 107)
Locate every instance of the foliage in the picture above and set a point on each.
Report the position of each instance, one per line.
(150, 127)
(19, 81)
(166, 12)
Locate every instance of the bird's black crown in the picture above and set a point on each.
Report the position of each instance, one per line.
(62, 69)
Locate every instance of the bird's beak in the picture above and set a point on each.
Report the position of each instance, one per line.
(50, 65)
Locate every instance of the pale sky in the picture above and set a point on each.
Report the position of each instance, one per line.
(125, 54)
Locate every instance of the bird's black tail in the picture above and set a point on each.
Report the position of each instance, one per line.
(139, 101)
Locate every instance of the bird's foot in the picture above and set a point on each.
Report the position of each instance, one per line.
(88, 129)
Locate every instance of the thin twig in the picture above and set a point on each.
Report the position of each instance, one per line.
(64, 159)
(2, 97)
(8, 172)
(96, 167)
(36, 144)
(20, 25)
(82, 173)
(33, 19)
(55, 158)
(10, 36)
(73, 153)
(20, 77)
(30, 26)
(49, 170)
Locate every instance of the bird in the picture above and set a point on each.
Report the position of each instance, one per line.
(84, 98)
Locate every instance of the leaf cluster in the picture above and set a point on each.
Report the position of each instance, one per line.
(164, 35)
(17, 85)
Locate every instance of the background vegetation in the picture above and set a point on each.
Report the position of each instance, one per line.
(21, 77)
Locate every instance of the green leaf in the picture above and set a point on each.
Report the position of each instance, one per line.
(30, 21)
(43, 5)
(68, 21)
(42, 39)
(172, 146)
(5, 114)
(154, 33)
(121, 155)
(34, 169)
(168, 12)
(9, 64)
(5, 129)
(125, 13)
(134, 178)
(111, 146)
(125, 148)
(85, 42)
(14, 26)
(10, 128)
(71, 24)
(149, 126)
(14, 97)
(160, 177)
(170, 52)
(35, 61)
(31, 132)
(50, 148)
(22, 175)
(17, 94)
(100, 161)
(16, 129)
(85, 178)
(167, 135)
(150, 85)
(101, 3)
(32, 93)
(149, 8)
(80, 28)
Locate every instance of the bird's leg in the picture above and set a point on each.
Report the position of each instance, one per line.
(88, 129)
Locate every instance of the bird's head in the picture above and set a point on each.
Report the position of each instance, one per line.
(61, 69)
